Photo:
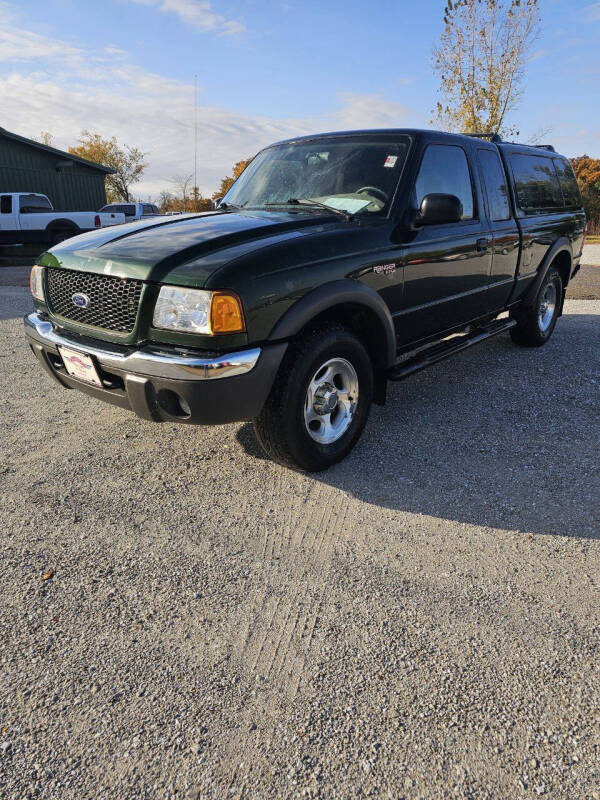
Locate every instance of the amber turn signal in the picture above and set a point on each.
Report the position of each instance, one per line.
(226, 315)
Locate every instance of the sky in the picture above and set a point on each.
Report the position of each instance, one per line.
(267, 70)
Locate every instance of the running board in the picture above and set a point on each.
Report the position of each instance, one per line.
(445, 349)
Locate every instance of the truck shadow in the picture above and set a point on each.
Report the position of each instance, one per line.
(499, 436)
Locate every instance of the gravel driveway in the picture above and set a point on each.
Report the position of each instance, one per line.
(591, 255)
(420, 621)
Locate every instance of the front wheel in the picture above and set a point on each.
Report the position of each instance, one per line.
(320, 400)
(536, 322)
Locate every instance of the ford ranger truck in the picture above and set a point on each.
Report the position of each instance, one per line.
(334, 264)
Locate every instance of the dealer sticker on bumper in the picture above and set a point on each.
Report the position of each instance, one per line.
(80, 366)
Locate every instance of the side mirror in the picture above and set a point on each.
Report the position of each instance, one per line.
(216, 202)
(438, 209)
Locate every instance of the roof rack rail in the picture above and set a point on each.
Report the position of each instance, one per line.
(493, 137)
(545, 147)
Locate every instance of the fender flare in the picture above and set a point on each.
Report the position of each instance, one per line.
(330, 295)
(559, 246)
(61, 225)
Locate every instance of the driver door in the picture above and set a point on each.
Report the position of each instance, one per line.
(446, 267)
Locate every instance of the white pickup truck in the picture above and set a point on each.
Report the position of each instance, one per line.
(26, 217)
(133, 211)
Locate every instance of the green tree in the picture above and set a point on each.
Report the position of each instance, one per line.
(481, 59)
(128, 163)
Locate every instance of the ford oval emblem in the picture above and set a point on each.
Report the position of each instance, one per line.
(80, 300)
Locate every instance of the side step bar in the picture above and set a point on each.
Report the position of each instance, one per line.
(445, 349)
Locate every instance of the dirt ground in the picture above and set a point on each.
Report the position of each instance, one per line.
(181, 618)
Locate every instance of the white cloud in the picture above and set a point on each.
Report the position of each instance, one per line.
(147, 111)
(55, 87)
(197, 13)
(369, 111)
(21, 45)
(593, 12)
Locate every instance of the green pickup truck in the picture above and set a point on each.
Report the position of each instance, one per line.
(335, 263)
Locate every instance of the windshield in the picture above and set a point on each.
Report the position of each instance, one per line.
(353, 174)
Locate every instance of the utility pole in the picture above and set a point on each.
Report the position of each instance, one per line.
(195, 143)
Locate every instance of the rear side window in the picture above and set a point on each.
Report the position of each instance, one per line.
(496, 185)
(117, 208)
(6, 204)
(536, 184)
(444, 170)
(33, 203)
(568, 182)
(149, 209)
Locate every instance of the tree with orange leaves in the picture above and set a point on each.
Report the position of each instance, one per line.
(587, 171)
(228, 182)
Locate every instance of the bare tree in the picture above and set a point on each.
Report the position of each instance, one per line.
(182, 183)
(481, 59)
(539, 135)
(164, 200)
(46, 138)
(185, 198)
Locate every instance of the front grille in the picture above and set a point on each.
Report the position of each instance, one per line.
(112, 303)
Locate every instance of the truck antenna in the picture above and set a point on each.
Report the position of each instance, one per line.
(195, 143)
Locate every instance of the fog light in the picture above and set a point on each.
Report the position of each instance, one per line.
(185, 407)
(173, 404)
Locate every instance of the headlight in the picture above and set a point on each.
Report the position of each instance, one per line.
(36, 282)
(198, 311)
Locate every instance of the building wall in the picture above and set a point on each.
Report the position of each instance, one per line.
(28, 169)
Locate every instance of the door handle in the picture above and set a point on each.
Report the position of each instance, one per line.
(482, 245)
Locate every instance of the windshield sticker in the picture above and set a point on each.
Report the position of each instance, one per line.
(350, 204)
(390, 161)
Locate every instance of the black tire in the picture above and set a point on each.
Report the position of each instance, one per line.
(58, 236)
(534, 328)
(281, 427)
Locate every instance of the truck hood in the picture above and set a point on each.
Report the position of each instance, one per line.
(186, 250)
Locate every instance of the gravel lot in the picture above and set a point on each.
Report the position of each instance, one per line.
(421, 621)
(591, 254)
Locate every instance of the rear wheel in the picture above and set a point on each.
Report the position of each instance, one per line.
(320, 400)
(59, 235)
(536, 323)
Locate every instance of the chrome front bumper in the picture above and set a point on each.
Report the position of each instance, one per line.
(164, 384)
(151, 361)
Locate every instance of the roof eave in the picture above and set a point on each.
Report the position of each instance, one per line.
(56, 152)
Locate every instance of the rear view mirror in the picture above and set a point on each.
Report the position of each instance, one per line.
(439, 209)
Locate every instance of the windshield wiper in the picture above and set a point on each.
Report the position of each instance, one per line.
(306, 201)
